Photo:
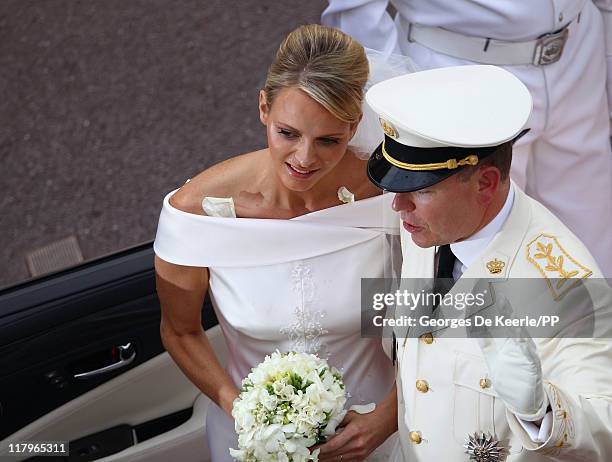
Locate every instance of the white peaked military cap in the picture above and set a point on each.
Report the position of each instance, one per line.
(440, 120)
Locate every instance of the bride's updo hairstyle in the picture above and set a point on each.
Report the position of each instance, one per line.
(326, 64)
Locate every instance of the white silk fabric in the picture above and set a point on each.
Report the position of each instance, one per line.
(291, 285)
(197, 240)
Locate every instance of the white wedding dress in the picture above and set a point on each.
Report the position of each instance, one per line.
(290, 285)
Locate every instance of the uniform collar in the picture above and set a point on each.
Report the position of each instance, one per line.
(468, 250)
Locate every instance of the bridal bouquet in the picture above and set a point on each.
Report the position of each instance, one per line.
(288, 403)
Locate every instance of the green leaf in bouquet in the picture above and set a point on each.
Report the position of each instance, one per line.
(295, 381)
(246, 385)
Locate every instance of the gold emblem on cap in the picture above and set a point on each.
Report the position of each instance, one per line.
(388, 128)
(495, 266)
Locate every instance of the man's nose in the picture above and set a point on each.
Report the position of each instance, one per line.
(403, 201)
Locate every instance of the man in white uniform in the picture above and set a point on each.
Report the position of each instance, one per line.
(556, 48)
(478, 395)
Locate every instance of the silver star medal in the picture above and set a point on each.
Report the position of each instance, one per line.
(483, 447)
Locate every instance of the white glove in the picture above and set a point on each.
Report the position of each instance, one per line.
(516, 374)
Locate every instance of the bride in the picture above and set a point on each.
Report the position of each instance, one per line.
(280, 238)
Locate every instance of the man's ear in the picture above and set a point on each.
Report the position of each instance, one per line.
(263, 107)
(489, 182)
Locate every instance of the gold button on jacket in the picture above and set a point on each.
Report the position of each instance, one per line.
(422, 386)
(415, 437)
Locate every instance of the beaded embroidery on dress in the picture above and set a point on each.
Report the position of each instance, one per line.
(306, 331)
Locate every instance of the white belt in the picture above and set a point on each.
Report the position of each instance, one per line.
(546, 49)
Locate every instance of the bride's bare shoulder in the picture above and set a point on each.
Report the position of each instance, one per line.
(221, 180)
(355, 178)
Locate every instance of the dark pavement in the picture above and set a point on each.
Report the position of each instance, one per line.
(108, 105)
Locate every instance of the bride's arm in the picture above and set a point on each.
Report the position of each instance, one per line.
(181, 291)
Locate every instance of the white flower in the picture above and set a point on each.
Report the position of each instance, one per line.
(269, 401)
(285, 405)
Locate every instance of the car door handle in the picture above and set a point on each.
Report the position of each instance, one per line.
(127, 354)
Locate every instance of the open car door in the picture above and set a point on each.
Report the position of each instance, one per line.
(82, 363)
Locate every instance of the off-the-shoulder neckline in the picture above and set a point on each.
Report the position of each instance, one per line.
(358, 203)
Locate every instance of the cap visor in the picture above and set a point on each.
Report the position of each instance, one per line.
(391, 178)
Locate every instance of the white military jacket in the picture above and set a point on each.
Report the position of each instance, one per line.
(443, 392)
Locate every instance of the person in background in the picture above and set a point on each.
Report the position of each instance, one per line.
(556, 48)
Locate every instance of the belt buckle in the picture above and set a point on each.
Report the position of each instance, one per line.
(549, 47)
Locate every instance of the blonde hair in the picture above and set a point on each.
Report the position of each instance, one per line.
(328, 65)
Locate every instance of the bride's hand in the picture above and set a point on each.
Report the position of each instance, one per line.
(357, 436)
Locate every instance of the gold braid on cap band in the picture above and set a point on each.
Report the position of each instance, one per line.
(450, 164)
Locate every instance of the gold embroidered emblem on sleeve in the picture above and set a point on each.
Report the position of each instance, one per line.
(559, 268)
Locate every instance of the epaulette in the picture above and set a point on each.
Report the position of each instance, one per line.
(557, 266)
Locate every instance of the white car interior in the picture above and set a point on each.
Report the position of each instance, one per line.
(153, 389)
